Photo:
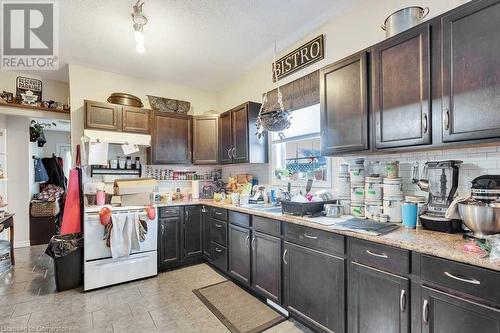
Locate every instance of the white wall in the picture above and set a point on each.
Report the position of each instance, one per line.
(51, 90)
(19, 174)
(346, 34)
(87, 83)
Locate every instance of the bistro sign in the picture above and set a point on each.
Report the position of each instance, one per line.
(299, 58)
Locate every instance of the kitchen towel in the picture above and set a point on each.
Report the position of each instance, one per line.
(124, 234)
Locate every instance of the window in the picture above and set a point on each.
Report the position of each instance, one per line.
(296, 156)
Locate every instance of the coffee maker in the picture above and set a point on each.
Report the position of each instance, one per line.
(440, 180)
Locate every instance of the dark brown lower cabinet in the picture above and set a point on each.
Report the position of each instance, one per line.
(266, 266)
(193, 242)
(169, 247)
(239, 253)
(443, 313)
(314, 289)
(379, 302)
(207, 238)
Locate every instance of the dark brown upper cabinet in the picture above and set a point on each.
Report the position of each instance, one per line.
(136, 120)
(171, 139)
(206, 140)
(103, 116)
(344, 106)
(471, 72)
(239, 144)
(113, 117)
(401, 90)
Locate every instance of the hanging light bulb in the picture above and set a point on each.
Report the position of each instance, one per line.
(139, 22)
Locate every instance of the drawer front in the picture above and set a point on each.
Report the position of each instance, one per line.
(315, 239)
(380, 256)
(218, 231)
(475, 281)
(219, 257)
(240, 219)
(265, 225)
(169, 211)
(219, 213)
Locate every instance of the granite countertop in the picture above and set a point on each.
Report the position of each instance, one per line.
(443, 245)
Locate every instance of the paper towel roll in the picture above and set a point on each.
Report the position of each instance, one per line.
(195, 189)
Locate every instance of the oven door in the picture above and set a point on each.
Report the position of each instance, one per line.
(95, 246)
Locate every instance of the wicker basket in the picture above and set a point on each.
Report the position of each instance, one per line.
(44, 208)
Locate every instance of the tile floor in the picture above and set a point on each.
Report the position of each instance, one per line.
(29, 302)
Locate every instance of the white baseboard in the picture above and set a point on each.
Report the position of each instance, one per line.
(21, 244)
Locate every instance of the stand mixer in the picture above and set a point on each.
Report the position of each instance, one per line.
(440, 180)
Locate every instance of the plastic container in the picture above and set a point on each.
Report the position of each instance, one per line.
(392, 169)
(358, 192)
(357, 209)
(393, 186)
(373, 189)
(392, 207)
(373, 209)
(357, 173)
(343, 185)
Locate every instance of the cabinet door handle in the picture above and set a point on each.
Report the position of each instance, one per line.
(309, 236)
(425, 312)
(284, 257)
(402, 300)
(218, 250)
(425, 123)
(379, 255)
(252, 244)
(446, 119)
(471, 281)
(218, 225)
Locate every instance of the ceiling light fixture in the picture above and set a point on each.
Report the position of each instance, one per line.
(139, 22)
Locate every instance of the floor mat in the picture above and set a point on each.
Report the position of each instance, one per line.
(237, 309)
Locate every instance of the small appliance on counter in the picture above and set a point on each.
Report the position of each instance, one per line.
(441, 182)
(481, 212)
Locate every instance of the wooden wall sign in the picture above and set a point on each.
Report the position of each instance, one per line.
(299, 58)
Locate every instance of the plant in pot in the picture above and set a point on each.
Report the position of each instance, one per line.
(36, 132)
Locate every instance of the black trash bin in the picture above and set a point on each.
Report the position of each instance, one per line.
(67, 252)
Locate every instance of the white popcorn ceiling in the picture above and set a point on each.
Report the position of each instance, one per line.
(205, 44)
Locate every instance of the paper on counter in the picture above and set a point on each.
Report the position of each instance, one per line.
(98, 153)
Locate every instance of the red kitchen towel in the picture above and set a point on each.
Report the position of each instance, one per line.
(71, 216)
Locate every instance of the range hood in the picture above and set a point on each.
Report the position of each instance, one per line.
(117, 137)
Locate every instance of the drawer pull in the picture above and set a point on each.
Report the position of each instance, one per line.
(284, 257)
(218, 250)
(379, 255)
(402, 300)
(218, 225)
(309, 236)
(425, 312)
(471, 281)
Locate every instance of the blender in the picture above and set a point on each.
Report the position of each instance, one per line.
(440, 180)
